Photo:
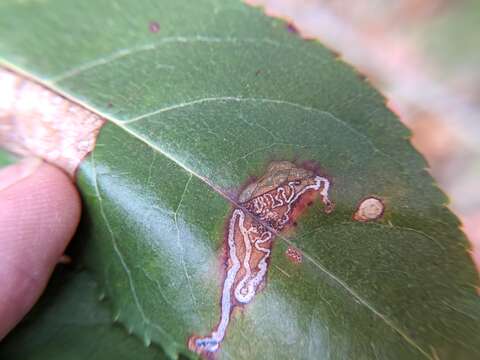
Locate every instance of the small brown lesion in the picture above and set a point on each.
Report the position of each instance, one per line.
(369, 209)
(294, 255)
(291, 28)
(154, 26)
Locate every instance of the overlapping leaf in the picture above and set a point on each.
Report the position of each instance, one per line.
(70, 322)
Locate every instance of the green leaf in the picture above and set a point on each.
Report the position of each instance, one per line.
(197, 110)
(6, 158)
(69, 322)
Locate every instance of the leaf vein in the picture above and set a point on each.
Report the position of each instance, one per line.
(119, 254)
(259, 100)
(125, 52)
(179, 242)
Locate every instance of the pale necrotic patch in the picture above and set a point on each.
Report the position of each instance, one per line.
(369, 209)
(35, 121)
(266, 207)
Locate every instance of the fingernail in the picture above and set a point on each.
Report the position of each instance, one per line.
(17, 172)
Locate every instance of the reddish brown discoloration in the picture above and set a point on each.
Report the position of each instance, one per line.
(292, 28)
(267, 207)
(154, 27)
(294, 255)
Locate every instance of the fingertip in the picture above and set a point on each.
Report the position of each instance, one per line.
(39, 213)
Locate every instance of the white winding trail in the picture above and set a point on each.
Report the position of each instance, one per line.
(256, 234)
(212, 343)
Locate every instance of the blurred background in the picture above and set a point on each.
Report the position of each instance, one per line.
(424, 55)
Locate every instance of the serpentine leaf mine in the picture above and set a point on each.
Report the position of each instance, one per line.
(267, 207)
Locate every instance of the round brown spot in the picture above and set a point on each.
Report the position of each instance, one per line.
(369, 209)
(154, 26)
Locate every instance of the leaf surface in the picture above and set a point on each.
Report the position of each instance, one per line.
(199, 108)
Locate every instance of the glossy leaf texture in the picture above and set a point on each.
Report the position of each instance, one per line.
(70, 322)
(202, 96)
